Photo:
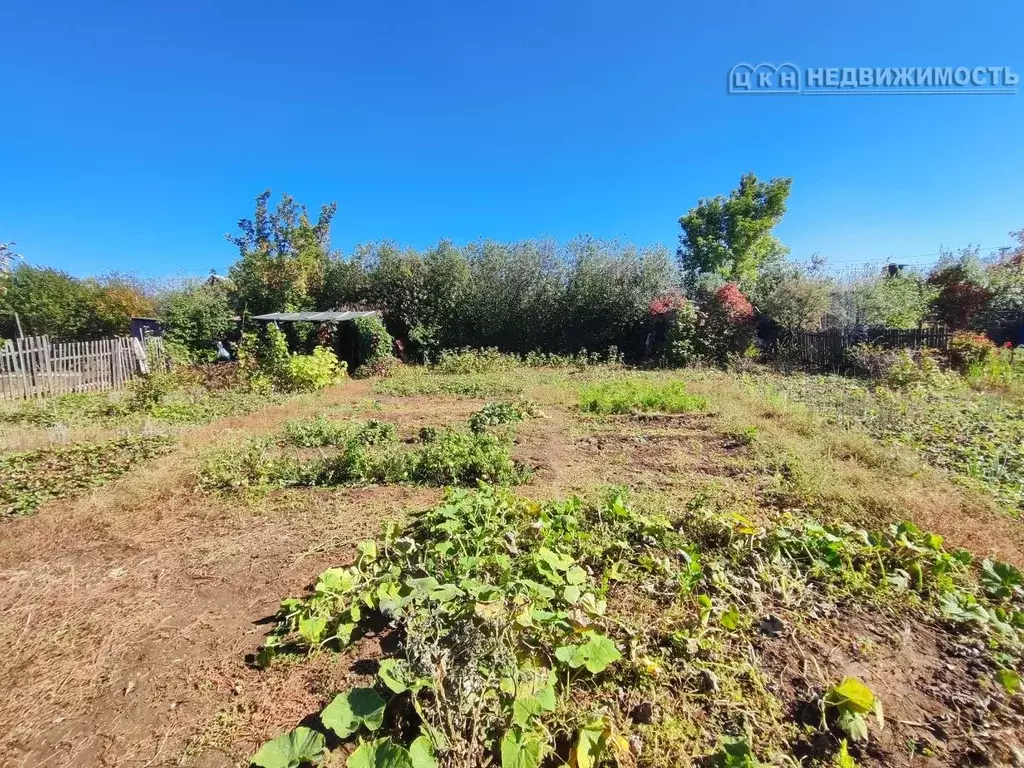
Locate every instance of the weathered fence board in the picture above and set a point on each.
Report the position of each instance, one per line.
(34, 366)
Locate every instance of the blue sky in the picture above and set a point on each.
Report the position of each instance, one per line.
(136, 134)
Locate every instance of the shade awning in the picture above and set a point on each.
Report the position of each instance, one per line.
(312, 317)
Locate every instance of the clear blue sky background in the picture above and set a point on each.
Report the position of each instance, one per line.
(135, 134)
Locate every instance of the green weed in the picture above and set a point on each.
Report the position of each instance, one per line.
(316, 432)
(167, 400)
(501, 604)
(366, 452)
(29, 479)
(638, 396)
(496, 414)
(529, 625)
(419, 383)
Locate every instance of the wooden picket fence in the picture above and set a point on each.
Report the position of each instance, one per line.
(33, 366)
(827, 349)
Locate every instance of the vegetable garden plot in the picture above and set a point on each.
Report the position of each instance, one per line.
(567, 633)
(30, 479)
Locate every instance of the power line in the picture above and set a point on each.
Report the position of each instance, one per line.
(901, 260)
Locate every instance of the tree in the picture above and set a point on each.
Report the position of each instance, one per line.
(283, 257)
(900, 300)
(961, 284)
(113, 301)
(609, 288)
(796, 299)
(47, 302)
(53, 303)
(732, 237)
(196, 315)
(1002, 317)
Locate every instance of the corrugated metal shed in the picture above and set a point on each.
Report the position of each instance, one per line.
(312, 317)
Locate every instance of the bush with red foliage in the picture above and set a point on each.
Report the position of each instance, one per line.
(729, 325)
(663, 305)
(717, 327)
(968, 349)
(735, 307)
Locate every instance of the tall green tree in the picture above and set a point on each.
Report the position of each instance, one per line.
(282, 257)
(731, 237)
(47, 302)
(53, 303)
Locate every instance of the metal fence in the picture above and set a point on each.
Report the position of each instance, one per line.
(34, 366)
(827, 349)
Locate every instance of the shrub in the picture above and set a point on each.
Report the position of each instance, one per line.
(662, 305)
(682, 346)
(265, 364)
(488, 360)
(997, 371)
(968, 349)
(495, 414)
(375, 344)
(195, 317)
(729, 324)
(612, 357)
(720, 327)
(961, 289)
(872, 360)
(914, 368)
(263, 359)
(307, 373)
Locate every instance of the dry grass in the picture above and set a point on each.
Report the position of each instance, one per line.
(847, 475)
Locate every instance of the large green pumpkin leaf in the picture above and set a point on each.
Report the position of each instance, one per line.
(292, 749)
(520, 750)
(312, 628)
(421, 752)
(383, 753)
(590, 744)
(576, 575)
(596, 654)
(395, 675)
(853, 724)
(360, 706)
(525, 708)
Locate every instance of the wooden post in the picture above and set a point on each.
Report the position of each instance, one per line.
(5, 374)
(44, 353)
(21, 369)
